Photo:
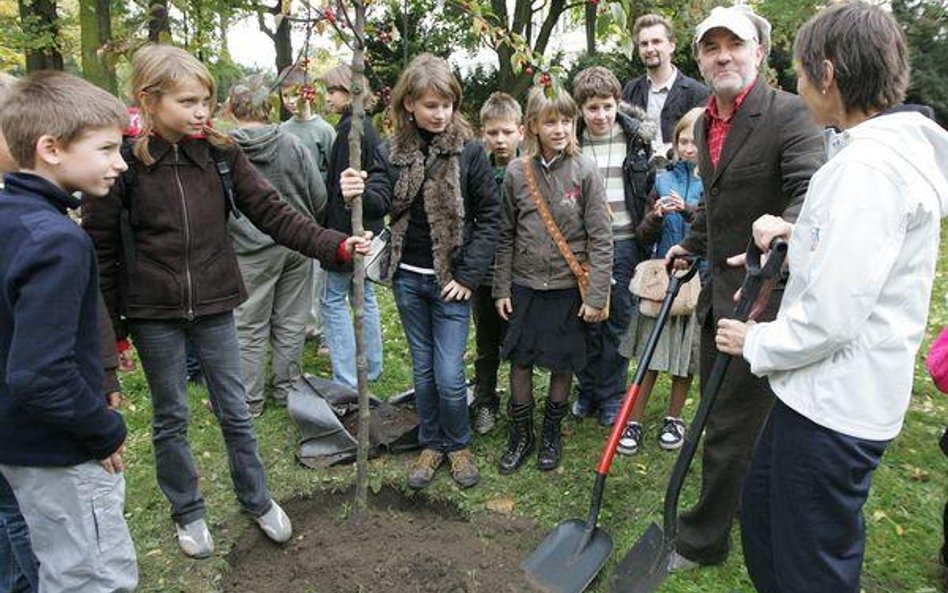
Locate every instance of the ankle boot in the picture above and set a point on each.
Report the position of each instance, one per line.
(551, 447)
(521, 442)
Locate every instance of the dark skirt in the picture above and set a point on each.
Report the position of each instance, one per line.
(545, 330)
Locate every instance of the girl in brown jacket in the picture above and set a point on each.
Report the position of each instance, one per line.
(169, 272)
(534, 286)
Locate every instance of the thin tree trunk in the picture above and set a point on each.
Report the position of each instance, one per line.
(358, 289)
(282, 43)
(159, 27)
(96, 31)
(40, 21)
(591, 27)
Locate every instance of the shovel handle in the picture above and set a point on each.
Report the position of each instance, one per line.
(759, 281)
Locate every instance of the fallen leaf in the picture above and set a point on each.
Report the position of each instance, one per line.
(503, 505)
(878, 515)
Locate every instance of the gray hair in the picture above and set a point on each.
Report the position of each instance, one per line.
(867, 49)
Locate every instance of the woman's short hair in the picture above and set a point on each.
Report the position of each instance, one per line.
(867, 49)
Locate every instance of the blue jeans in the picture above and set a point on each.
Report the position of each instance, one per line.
(437, 336)
(602, 383)
(161, 349)
(18, 567)
(340, 330)
(801, 514)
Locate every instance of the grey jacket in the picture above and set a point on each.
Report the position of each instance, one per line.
(527, 255)
(283, 160)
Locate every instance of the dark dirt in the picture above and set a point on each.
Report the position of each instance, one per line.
(404, 545)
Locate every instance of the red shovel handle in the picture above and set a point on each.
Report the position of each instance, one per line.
(631, 395)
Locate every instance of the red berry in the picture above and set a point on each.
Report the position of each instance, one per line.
(528, 70)
(330, 17)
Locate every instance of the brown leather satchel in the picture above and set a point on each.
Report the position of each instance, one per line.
(581, 271)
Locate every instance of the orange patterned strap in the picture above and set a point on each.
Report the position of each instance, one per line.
(582, 276)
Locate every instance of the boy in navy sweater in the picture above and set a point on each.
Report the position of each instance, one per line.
(62, 443)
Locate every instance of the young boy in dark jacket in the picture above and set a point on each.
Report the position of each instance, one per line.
(62, 443)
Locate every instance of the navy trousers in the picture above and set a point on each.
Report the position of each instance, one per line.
(801, 514)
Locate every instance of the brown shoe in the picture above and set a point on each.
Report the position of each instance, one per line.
(424, 468)
(463, 468)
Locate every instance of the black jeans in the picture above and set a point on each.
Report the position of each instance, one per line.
(801, 513)
(489, 337)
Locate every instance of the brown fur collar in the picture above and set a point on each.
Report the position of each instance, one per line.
(438, 179)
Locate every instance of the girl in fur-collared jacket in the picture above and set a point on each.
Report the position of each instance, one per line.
(534, 286)
(445, 218)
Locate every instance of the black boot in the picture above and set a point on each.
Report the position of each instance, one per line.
(551, 449)
(521, 442)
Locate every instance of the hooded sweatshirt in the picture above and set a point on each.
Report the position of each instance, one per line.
(283, 160)
(862, 257)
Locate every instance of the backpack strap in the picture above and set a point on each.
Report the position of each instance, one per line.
(227, 181)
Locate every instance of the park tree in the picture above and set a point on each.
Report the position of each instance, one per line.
(925, 23)
(95, 23)
(39, 23)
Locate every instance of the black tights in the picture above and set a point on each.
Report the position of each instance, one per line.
(521, 385)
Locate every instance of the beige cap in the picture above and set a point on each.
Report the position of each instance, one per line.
(739, 19)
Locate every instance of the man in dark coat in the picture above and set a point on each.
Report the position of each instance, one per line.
(757, 149)
(663, 92)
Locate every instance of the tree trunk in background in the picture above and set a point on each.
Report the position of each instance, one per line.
(159, 27)
(591, 11)
(282, 43)
(95, 22)
(523, 13)
(41, 25)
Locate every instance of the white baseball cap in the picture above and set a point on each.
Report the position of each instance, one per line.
(739, 19)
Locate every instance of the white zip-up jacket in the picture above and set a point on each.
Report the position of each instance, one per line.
(862, 260)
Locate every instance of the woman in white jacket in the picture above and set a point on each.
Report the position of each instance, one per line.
(840, 355)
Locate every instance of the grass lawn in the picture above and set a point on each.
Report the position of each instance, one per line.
(903, 514)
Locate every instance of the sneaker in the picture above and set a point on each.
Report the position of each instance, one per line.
(631, 439)
(678, 563)
(580, 409)
(673, 434)
(255, 408)
(195, 539)
(276, 524)
(463, 468)
(424, 468)
(484, 420)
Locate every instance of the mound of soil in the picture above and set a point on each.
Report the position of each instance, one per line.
(404, 545)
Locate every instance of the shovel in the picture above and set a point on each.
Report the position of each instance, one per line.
(574, 552)
(645, 567)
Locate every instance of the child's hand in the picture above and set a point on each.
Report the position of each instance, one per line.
(352, 183)
(504, 308)
(455, 291)
(113, 400)
(361, 245)
(113, 463)
(591, 314)
(126, 362)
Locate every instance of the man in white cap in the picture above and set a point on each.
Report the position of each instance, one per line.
(758, 148)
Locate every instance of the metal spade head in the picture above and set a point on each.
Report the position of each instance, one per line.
(645, 567)
(569, 558)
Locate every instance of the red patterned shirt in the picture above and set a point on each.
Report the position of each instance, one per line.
(719, 127)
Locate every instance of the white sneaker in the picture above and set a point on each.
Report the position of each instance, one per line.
(631, 439)
(678, 563)
(276, 524)
(195, 539)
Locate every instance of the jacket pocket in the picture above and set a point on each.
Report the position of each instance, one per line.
(219, 277)
(154, 285)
